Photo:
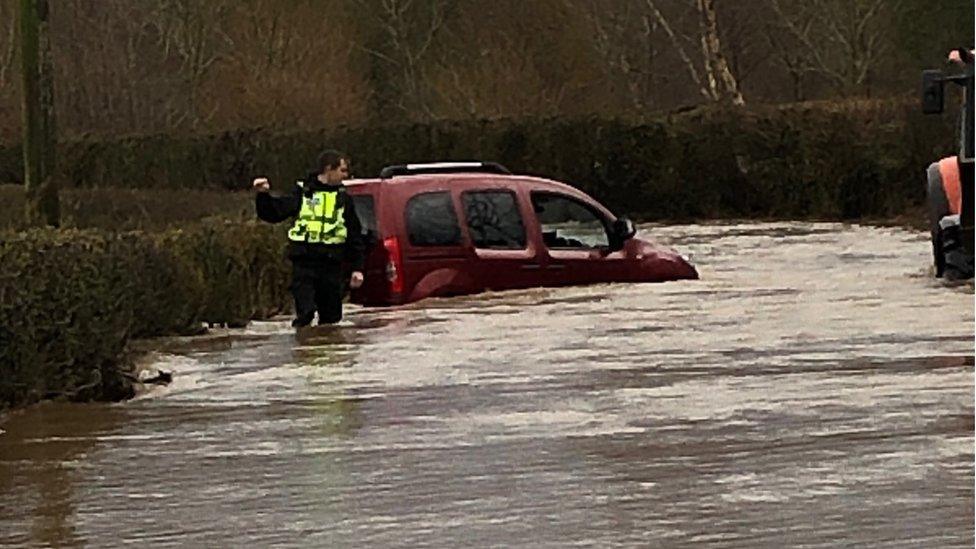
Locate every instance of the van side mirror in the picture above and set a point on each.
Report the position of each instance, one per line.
(933, 92)
(621, 231)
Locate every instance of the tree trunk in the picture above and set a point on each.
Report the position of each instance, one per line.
(719, 75)
(42, 206)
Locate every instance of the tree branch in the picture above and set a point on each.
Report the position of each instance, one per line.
(689, 65)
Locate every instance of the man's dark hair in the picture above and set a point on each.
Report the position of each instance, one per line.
(330, 159)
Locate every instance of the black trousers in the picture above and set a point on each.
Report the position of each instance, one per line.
(317, 287)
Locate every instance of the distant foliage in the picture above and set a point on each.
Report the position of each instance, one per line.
(125, 67)
(71, 299)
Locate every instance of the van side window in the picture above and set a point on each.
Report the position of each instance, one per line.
(494, 220)
(568, 223)
(431, 220)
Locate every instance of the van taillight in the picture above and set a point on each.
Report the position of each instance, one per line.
(394, 264)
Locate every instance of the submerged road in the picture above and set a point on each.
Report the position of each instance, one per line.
(814, 389)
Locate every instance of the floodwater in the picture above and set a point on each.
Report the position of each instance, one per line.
(815, 388)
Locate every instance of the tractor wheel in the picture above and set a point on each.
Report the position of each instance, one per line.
(938, 255)
(938, 208)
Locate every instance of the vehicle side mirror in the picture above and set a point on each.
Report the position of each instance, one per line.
(621, 231)
(933, 94)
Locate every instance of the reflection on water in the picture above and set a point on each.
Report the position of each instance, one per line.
(814, 388)
(40, 451)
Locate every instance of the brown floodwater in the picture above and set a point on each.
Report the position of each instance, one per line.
(815, 388)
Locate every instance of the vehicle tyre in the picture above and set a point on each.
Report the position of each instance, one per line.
(938, 208)
(938, 255)
(958, 265)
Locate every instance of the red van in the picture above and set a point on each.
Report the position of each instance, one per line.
(460, 228)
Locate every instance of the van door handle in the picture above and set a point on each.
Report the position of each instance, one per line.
(531, 266)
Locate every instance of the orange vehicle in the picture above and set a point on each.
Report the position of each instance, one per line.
(949, 181)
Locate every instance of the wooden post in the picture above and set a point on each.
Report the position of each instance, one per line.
(39, 139)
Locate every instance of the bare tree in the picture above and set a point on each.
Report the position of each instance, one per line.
(269, 33)
(287, 64)
(265, 35)
(192, 32)
(625, 36)
(635, 38)
(715, 80)
(407, 31)
(470, 83)
(510, 58)
(841, 41)
(121, 79)
(721, 82)
(792, 59)
(208, 65)
(678, 44)
(744, 44)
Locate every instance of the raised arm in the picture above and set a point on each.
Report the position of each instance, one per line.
(274, 209)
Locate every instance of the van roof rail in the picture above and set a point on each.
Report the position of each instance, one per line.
(443, 167)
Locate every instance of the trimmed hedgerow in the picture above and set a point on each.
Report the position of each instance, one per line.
(70, 300)
(125, 209)
(839, 160)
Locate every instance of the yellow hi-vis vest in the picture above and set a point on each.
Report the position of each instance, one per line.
(320, 221)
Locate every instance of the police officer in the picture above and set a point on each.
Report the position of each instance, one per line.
(326, 235)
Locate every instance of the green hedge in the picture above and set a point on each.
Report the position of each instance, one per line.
(70, 300)
(131, 209)
(828, 160)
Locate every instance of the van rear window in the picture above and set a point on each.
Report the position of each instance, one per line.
(432, 221)
(365, 211)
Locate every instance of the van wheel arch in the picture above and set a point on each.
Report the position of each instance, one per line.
(441, 282)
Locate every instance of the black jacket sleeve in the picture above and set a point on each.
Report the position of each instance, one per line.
(274, 209)
(355, 244)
